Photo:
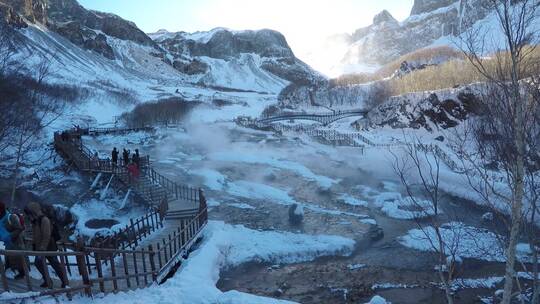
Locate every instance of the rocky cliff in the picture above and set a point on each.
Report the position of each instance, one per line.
(193, 53)
(85, 28)
(387, 39)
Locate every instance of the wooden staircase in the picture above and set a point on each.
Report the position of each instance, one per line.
(139, 255)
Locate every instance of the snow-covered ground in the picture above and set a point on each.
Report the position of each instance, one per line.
(464, 242)
(225, 246)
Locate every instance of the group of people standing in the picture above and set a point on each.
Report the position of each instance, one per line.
(44, 237)
(133, 165)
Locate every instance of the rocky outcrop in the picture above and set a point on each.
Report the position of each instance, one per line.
(100, 46)
(62, 11)
(85, 28)
(8, 17)
(384, 17)
(426, 6)
(191, 67)
(32, 10)
(436, 110)
(225, 44)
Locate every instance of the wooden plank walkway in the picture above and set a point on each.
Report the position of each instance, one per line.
(142, 253)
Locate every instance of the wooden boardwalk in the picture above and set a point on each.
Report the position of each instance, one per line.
(140, 254)
(323, 118)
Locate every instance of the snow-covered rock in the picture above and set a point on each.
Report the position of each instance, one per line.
(378, 300)
(434, 110)
(265, 52)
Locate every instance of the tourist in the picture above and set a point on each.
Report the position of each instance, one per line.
(114, 157)
(44, 239)
(125, 156)
(137, 158)
(133, 172)
(11, 233)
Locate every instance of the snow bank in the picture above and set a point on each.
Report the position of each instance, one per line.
(378, 300)
(405, 208)
(469, 242)
(349, 200)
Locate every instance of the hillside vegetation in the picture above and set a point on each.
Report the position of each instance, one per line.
(427, 56)
(451, 73)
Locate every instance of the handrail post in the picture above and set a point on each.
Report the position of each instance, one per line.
(82, 267)
(3, 274)
(152, 262)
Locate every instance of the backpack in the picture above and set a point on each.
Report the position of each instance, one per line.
(20, 218)
(50, 213)
(55, 232)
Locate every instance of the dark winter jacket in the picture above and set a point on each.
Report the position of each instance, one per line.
(41, 229)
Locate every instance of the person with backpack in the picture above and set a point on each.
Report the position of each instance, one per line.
(11, 232)
(45, 234)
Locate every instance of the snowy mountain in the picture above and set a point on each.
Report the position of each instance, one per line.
(432, 22)
(92, 48)
(235, 58)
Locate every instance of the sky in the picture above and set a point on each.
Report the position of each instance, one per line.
(305, 23)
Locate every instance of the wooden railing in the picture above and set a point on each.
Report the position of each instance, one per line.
(114, 130)
(324, 118)
(24, 257)
(174, 247)
(90, 270)
(133, 233)
(179, 191)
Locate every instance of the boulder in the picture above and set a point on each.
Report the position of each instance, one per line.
(375, 233)
(296, 214)
(191, 67)
(100, 46)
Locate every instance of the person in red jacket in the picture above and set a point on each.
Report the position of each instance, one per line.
(134, 172)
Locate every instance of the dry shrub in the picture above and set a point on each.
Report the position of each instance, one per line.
(427, 55)
(353, 79)
(167, 111)
(378, 93)
(461, 72)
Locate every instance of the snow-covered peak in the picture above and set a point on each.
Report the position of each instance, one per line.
(384, 17)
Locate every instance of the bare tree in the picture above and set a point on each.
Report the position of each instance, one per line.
(34, 114)
(420, 169)
(532, 179)
(500, 138)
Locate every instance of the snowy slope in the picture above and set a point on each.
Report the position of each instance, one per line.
(102, 51)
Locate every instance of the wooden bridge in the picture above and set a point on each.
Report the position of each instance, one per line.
(323, 118)
(142, 253)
